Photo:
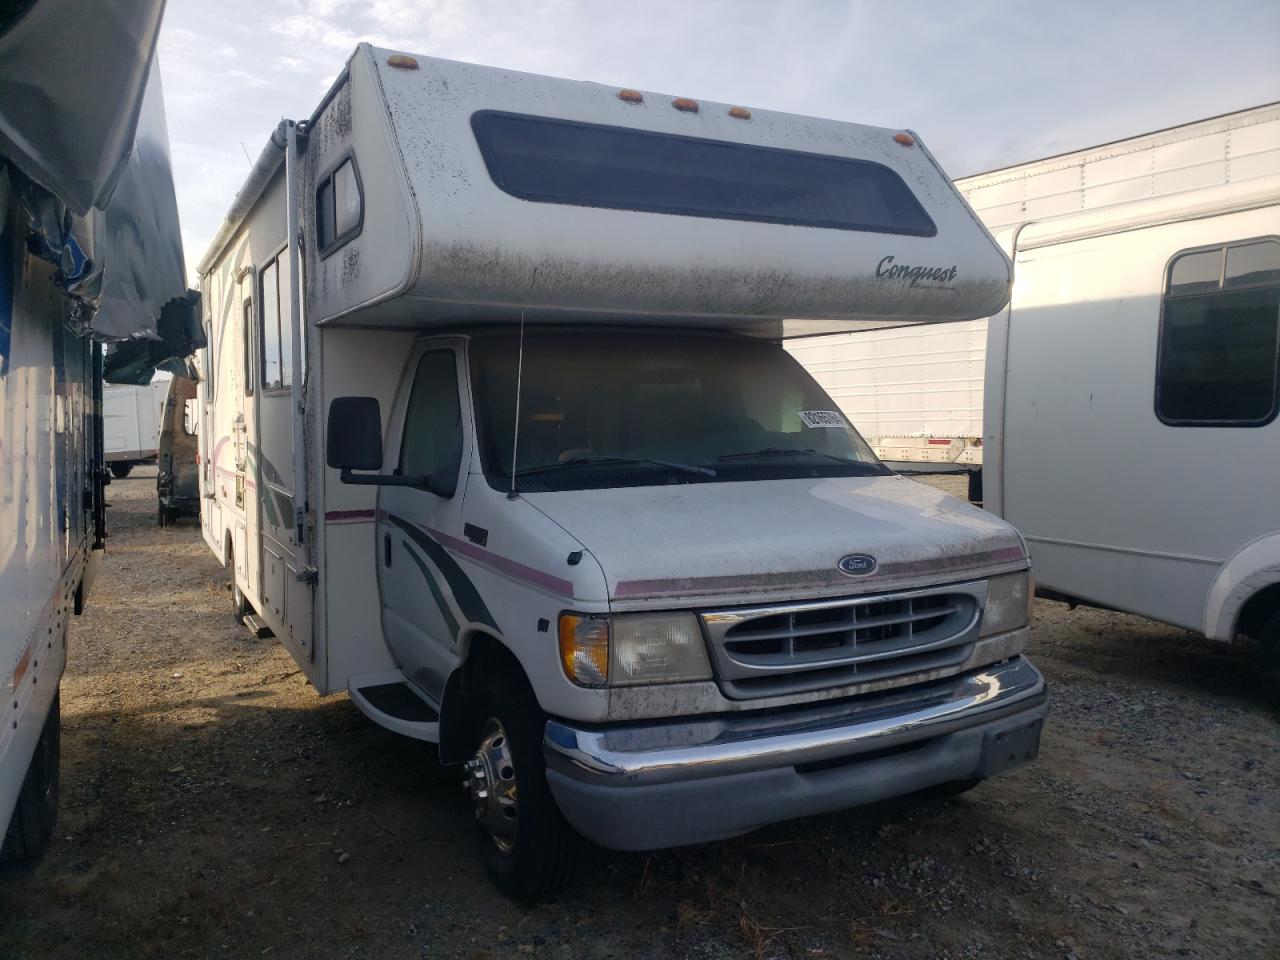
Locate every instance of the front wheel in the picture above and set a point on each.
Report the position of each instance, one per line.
(1269, 660)
(36, 813)
(120, 470)
(240, 607)
(527, 847)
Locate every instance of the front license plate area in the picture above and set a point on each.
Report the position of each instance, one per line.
(1004, 750)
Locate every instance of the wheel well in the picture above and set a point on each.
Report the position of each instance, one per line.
(1257, 610)
(485, 655)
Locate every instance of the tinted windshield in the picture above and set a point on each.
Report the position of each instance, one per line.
(637, 409)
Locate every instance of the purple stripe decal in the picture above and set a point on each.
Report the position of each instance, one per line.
(943, 564)
(337, 516)
(510, 567)
(803, 579)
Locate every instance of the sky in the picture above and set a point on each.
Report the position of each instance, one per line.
(986, 83)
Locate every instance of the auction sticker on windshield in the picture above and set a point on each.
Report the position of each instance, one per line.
(822, 418)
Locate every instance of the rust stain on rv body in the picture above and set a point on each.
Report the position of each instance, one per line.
(350, 265)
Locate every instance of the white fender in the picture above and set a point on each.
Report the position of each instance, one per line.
(1254, 566)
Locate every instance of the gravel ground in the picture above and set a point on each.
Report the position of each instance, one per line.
(214, 806)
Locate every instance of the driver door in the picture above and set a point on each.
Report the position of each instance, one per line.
(417, 577)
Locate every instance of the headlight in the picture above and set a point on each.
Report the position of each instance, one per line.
(658, 648)
(632, 649)
(1008, 603)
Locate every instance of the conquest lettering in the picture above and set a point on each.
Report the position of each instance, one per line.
(886, 269)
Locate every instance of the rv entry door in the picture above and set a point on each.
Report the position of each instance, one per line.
(424, 591)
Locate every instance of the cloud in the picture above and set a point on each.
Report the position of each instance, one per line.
(987, 83)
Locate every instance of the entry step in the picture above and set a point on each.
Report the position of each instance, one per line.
(389, 700)
(257, 627)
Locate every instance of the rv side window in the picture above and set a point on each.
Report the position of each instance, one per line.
(339, 206)
(618, 168)
(1219, 351)
(277, 341)
(247, 340)
(210, 338)
(432, 443)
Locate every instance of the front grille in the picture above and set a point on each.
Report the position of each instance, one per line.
(767, 651)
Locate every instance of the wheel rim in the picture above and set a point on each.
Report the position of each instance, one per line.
(491, 784)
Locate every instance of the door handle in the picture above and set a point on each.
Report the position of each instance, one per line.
(386, 549)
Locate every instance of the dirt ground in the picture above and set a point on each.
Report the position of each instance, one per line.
(214, 806)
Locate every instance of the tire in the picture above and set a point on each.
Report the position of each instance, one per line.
(120, 470)
(239, 603)
(975, 486)
(534, 856)
(36, 813)
(1269, 660)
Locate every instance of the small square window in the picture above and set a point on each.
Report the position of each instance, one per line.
(324, 214)
(346, 198)
(339, 206)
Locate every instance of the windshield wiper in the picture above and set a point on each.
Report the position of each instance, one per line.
(592, 461)
(781, 451)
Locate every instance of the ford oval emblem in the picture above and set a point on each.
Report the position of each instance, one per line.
(857, 564)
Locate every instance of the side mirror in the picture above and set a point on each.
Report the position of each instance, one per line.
(354, 442)
(354, 434)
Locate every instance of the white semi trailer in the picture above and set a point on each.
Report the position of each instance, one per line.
(1130, 389)
(131, 418)
(89, 250)
(499, 437)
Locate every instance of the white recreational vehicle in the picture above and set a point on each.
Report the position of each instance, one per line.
(1131, 385)
(131, 423)
(498, 436)
(89, 251)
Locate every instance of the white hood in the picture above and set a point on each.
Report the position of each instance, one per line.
(780, 538)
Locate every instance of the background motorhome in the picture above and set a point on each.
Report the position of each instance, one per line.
(131, 419)
(177, 453)
(547, 246)
(1138, 354)
(90, 251)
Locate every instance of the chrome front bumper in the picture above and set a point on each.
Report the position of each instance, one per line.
(644, 786)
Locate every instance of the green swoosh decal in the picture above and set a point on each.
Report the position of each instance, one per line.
(445, 612)
(464, 591)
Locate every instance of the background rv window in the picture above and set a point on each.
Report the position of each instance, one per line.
(592, 165)
(1219, 351)
(277, 342)
(339, 206)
